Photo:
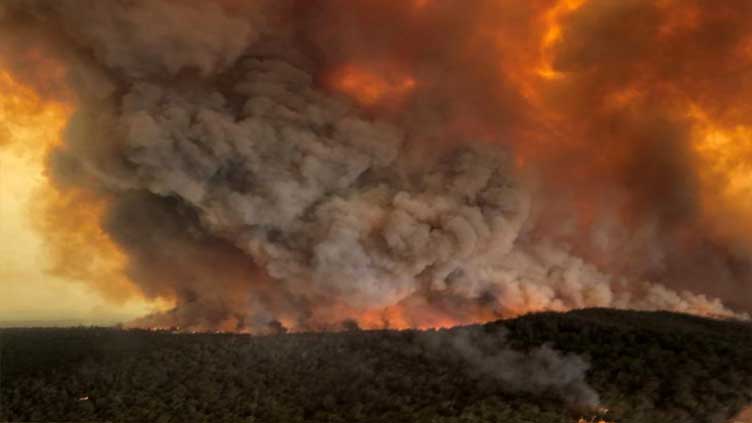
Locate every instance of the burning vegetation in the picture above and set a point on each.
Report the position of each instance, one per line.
(289, 166)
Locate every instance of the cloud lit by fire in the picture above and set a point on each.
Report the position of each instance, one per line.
(391, 163)
(371, 87)
(48, 278)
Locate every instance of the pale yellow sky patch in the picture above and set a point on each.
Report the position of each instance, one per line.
(28, 290)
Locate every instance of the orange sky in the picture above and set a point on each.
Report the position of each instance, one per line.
(642, 103)
(29, 290)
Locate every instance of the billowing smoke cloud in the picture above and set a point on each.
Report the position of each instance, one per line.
(541, 370)
(393, 162)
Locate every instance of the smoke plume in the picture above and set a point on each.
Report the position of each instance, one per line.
(540, 370)
(298, 164)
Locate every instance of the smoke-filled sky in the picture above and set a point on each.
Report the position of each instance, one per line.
(31, 292)
(300, 164)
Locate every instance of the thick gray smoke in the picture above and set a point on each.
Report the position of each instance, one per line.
(240, 185)
(314, 193)
(540, 370)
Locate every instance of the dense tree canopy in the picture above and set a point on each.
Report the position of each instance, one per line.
(646, 367)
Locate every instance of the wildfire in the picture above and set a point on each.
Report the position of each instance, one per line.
(416, 313)
(588, 96)
(370, 87)
(399, 317)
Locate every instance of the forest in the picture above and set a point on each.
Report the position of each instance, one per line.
(618, 366)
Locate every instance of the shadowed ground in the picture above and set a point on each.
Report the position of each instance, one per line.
(646, 367)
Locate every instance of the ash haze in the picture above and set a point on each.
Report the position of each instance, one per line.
(299, 164)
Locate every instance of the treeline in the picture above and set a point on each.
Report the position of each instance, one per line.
(646, 367)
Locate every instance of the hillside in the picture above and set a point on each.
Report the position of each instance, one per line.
(645, 367)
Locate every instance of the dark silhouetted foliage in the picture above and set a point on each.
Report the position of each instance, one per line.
(647, 367)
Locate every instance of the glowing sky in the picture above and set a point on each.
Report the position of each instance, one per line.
(612, 139)
(28, 290)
